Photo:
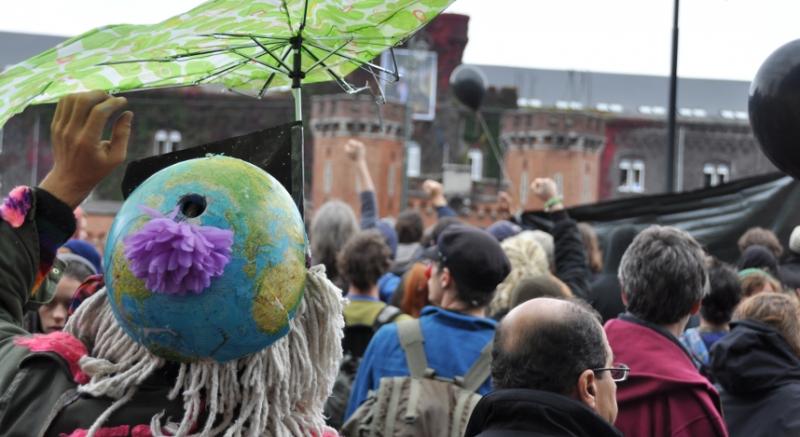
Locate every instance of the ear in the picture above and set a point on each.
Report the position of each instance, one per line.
(695, 308)
(587, 389)
(445, 278)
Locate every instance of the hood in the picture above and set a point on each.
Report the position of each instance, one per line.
(753, 358)
(535, 412)
(618, 243)
(658, 362)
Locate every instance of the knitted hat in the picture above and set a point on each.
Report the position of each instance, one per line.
(87, 251)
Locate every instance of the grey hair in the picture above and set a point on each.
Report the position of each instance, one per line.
(663, 274)
(331, 227)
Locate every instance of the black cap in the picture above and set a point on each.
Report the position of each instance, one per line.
(474, 258)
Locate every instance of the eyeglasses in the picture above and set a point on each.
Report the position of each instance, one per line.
(618, 373)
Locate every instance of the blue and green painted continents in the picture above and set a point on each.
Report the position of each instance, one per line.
(250, 305)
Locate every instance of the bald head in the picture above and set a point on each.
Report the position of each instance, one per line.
(524, 318)
(545, 344)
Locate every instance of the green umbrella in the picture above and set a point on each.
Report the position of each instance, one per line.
(246, 46)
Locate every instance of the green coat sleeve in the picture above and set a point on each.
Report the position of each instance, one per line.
(27, 251)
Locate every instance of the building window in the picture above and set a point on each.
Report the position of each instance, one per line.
(390, 182)
(476, 164)
(414, 157)
(523, 189)
(327, 177)
(558, 178)
(715, 174)
(631, 176)
(166, 141)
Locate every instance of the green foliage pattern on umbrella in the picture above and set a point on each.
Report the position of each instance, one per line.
(243, 45)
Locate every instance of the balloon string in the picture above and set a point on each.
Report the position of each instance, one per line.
(498, 155)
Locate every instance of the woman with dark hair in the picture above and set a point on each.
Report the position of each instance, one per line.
(592, 246)
(758, 367)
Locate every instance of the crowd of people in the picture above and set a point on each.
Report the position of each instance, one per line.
(449, 330)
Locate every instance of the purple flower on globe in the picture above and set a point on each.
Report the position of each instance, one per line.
(177, 257)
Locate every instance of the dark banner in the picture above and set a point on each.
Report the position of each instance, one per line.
(716, 216)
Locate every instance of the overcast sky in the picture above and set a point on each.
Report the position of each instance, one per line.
(723, 39)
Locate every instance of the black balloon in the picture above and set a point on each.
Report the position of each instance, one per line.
(774, 107)
(469, 85)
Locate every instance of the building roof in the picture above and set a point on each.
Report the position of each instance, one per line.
(624, 94)
(17, 47)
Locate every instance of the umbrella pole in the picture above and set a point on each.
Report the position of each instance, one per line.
(298, 170)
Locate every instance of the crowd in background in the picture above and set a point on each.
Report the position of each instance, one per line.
(508, 331)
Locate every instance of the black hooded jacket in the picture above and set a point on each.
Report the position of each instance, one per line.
(606, 292)
(522, 412)
(760, 377)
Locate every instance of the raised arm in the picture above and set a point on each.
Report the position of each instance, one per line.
(435, 193)
(357, 153)
(570, 255)
(36, 221)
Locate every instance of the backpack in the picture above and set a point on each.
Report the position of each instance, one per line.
(422, 404)
(354, 343)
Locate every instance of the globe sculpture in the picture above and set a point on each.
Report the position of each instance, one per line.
(206, 260)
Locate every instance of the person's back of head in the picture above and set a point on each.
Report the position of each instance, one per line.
(762, 237)
(663, 275)
(503, 229)
(548, 244)
(415, 290)
(364, 259)
(754, 281)
(619, 240)
(592, 246)
(431, 236)
(556, 346)
(409, 227)
(532, 287)
(333, 224)
(759, 257)
(470, 264)
(777, 310)
(725, 293)
(527, 258)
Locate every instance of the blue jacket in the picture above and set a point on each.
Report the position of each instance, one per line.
(453, 341)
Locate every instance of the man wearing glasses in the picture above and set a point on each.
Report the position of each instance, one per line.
(663, 280)
(553, 374)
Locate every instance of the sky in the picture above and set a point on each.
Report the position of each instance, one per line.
(719, 39)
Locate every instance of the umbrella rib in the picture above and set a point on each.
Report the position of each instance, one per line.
(288, 16)
(305, 14)
(180, 56)
(264, 64)
(325, 58)
(269, 52)
(343, 83)
(244, 35)
(221, 72)
(272, 75)
(357, 61)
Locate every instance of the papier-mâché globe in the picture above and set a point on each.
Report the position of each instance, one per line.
(206, 259)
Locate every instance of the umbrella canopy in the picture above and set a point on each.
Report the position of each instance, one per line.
(246, 46)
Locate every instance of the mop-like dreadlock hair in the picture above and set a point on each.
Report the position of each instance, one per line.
(279, 391)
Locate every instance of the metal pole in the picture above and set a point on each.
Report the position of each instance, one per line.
(673, 88)
(35, 157)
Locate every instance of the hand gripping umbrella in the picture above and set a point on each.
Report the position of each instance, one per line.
(246, 46)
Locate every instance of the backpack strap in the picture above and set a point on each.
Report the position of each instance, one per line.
(387, 315)
(410, 335)
(480, 370)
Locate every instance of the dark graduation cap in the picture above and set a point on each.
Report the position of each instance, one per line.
(277, 150)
